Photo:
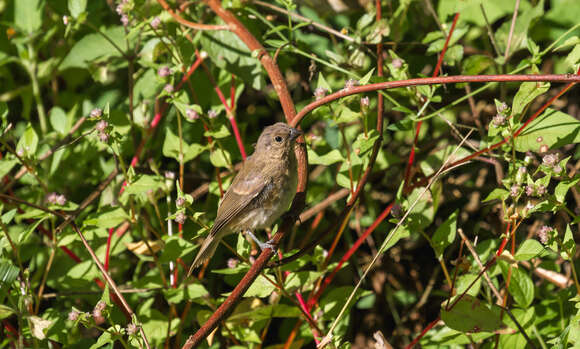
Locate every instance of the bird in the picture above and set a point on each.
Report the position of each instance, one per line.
(260, 193)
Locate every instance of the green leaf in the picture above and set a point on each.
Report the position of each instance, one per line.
(301, 280)
(398, 234)
(364, 144)
(143, 184)
(470, 283)
(471, 315)
(58, 120)
(568, 245)
(175, 247)
(172, 144)
(346, 115)
(86, 270)
(333, 301)
(526, 94)
(520, 31)
(323, 83)
(573, 57)
(28, 14)
(444, 235)
(552, 128)
(76, 7)
(95, 46)
(562, 188)
(570, 42)
(521, 287)
(327, 159)
(365, 79)
(476, 64)
(221, 132)
(220, 158)
(5, 311)
(497, 193)
(28, 142)
(228, 52)
(8, 273)
(107, 218)
(260, 288)
(529, 249)
(184, 293)
(6, 164)
(8, 216)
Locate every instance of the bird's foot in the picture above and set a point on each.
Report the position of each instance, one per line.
(268, 244)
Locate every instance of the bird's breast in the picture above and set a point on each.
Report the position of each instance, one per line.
(272, 201)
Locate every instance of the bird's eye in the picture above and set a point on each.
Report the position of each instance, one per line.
(278, 139)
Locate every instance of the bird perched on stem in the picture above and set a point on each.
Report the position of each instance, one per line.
(262, 190)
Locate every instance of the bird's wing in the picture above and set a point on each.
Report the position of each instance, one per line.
(245, 187)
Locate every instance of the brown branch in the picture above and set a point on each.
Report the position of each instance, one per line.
(478, 261)
(297, 205)
(253, 44)
(512, 26)
(190, 24)
(321, 206)
(110, 281)
(432, 81)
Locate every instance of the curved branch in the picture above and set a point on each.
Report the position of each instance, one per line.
(432, 81)
(297, 205)
(185, 22)
(253, 44)
(405, 83)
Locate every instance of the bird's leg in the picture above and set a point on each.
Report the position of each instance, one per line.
(268, 244)
(289, 214)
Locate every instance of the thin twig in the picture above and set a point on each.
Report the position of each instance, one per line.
(478, 261)
(321, 206)
(185, 22)
(509, 42)
(110, 281)
(298, 18)
(489, 30)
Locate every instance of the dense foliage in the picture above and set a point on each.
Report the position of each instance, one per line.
(123, 123)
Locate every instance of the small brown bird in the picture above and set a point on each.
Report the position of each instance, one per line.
(262, 190)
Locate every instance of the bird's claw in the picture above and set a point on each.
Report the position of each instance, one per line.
(268, 244)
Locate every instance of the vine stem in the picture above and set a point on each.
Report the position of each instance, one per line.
(411, 159)
(152, 127)
(110, 281)
(297, 205)
(454, 79)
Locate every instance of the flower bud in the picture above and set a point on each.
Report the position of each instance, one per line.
(155, 22)
(191, 114)
(180, 217)
(164, 71)
(96, 113)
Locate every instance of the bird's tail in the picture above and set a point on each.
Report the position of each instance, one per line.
(206, 250)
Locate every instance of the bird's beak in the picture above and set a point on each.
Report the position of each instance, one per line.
(295, 133)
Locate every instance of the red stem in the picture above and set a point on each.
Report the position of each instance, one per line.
(440, 61)
(517, 133)
(229, 109)
(432, 81)
(425, 330)
(313, 300)
(418, 129)
(152, 127)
